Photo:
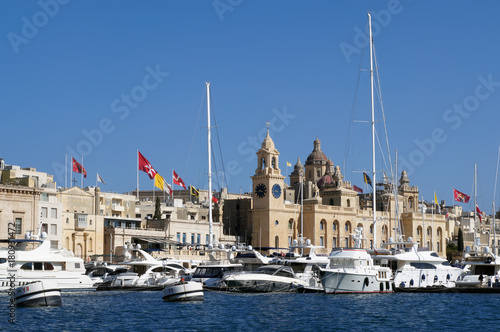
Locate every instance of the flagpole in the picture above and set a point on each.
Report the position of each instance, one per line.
(81, 186)
(432, 221)
(66, 170)
(423, 221)
(172, 186)
(71, 179)
(137, 168)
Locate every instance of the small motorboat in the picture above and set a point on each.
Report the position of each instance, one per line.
(184, 291)
(38, 294)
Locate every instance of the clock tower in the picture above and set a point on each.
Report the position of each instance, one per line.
(268, 202)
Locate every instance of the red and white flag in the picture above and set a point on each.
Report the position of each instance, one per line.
(358, 189)
(460, 197)
(479, 214)
(177, 180)
(145, 165)
(215, 200)
(78, 168)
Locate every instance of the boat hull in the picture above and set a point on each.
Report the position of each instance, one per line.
(38, 294)
(184, 291)
(336, 282)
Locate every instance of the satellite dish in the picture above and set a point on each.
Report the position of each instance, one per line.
(250, 248)
(138, 246)
(43, 236)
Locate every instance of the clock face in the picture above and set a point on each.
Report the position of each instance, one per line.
(260, 190)
(276, 191)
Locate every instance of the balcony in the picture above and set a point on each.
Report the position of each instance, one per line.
(116, 207)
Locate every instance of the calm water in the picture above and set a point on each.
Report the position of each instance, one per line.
(146, 311)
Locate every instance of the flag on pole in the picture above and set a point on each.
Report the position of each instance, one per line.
(177, 180)
(289, 164)
(358, 189)
(160, 183)
(195, 192)
(436, 202)
(145, 166)
(460, 197)
(100, 179)
(78, 168)
(367, 179)
(479, 214)
(215, 200)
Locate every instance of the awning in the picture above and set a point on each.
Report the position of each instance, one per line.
(152, 239)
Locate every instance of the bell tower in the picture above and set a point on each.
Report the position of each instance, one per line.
(268, 228)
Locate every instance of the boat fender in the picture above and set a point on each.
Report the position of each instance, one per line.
(367, 282)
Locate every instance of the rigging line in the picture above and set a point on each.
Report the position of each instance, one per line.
(380, 147)
(224, 178)
(194, 131)
(379, 90)
(354, 102)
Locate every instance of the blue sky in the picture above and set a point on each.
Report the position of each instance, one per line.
(106, 79)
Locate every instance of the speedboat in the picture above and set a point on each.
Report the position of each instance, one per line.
(143, 273)
(416, 269)
(35, 260)
(38, 294)
(99, 272)
(265, 279)
(305, 266)
(211, 273)
(184, 291)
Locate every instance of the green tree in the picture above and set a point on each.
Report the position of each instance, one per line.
(460, 240)
(157, 209)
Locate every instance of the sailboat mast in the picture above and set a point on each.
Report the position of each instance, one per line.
(475, 202)
(210, 226)
(494, 212)
(374, 181)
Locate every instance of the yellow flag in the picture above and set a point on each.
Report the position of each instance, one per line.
(435, 198)
(289, 164)
(159, 181)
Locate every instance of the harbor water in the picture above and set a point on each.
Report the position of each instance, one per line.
(146, 311)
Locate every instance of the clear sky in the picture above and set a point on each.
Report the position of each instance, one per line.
(107, 78)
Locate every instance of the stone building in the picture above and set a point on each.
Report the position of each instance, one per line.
(29, 199)
(332, 209)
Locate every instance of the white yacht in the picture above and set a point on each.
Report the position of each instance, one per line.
(35, 260)
(305, 266)
(144, 272)
(265, 279)
(211, 273)
(483, 270)
(352, 270)
(416, 269)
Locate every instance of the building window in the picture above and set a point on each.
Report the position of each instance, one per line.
(53, 229)
(183, 237)
(334, 226)
(178, 237)
(348, 203)
(53, 213)
(290, 224)
(206, 240)
(347, 227)
(198, 238)
(318, 174)
(67, 220)
(334, 242)
(44, 212)
(321, 241)
(438, 249)
(321, 227)
(82, 220)
(347, 242)
(371, 229)
(192, 238)
(90, 222)
(17, 225)
(53, 245)
(107, 202)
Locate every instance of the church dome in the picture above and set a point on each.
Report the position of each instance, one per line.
(326, 179)
(317, 156)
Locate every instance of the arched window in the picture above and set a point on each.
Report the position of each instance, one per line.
(277, 241)
(263, 163)
(334, 225)
(322, 224)
(273, 162)
(334, 242)
(348, 203)
(318, 173)
(371, 229)
(331, 201)
(290, 224)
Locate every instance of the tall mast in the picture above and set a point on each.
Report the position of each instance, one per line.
(475, 203)
(374, 181)
(210, 226)
(494, 193)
